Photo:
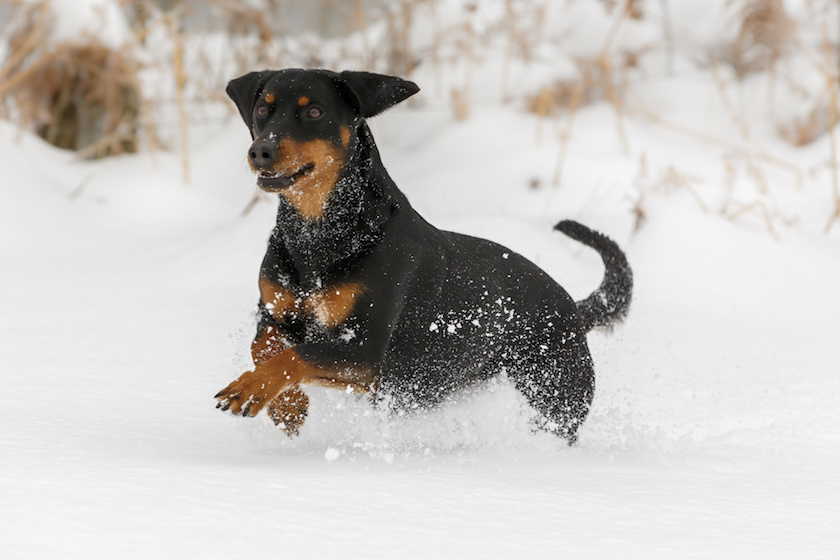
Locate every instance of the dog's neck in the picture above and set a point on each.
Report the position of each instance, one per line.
(361, 203)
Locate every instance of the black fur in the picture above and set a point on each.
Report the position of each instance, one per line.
(611, 301)
(439, 310)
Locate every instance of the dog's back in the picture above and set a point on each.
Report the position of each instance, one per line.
(474, 309)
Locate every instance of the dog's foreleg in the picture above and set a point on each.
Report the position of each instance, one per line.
(288, 369)
(288, 410)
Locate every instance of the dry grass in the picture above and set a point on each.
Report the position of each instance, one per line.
(83, 96)
(401, 59)
(766, 34)
(597, 80)
(802, 131)
(831, 73)
(746, 151)
(86, 97)
(589, 86)
(180, 87)
(673, 180)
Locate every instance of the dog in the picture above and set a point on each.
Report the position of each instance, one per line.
(360, 293)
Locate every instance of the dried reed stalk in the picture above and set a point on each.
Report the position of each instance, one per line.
(766, 33)
(23, 43)
(360, 25)
(727, 104)
(256, 199)
(737, 148)
(831, 80)
(675, 179)
(565, 135)
(401, 60)
(576, 93)
(460, 96)
(106, 145)
(607, 69)
(180, 86)
(510, 19)
(756, 206)
(816, 123)
(544, 105)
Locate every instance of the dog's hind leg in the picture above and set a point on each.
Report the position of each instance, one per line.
(559, 386)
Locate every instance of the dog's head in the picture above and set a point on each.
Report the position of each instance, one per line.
(305, 125)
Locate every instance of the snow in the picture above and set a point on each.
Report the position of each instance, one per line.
(127, 302)
(101, 20)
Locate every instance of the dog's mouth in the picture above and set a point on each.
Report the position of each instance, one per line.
(273, 181)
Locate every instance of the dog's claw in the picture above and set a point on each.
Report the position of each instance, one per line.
(247, 395)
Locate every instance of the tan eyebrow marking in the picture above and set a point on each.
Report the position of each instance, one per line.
(269, 98)
(303, 101)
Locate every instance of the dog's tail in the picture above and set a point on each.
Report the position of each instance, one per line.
(610, 302)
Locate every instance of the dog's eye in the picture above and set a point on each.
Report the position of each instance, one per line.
(314, 113)
(262, 111)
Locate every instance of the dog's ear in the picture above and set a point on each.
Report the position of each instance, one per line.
(245, 90)
(377, 92)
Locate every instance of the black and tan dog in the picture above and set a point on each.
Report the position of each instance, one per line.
(358, 292)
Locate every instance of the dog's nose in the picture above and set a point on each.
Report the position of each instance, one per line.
(263, 153)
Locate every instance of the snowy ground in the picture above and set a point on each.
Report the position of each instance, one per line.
(126, 302)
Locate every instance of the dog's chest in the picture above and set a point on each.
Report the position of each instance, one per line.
(330, 306)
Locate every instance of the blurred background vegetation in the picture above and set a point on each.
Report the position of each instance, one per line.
(120, 81)
(86, 93)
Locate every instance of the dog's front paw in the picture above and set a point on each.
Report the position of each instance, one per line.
(248, 394)
(288, 410)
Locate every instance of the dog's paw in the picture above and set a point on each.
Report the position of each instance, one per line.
(248, 394)
(288, 411)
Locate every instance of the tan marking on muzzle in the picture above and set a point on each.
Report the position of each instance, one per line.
(310, 193)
